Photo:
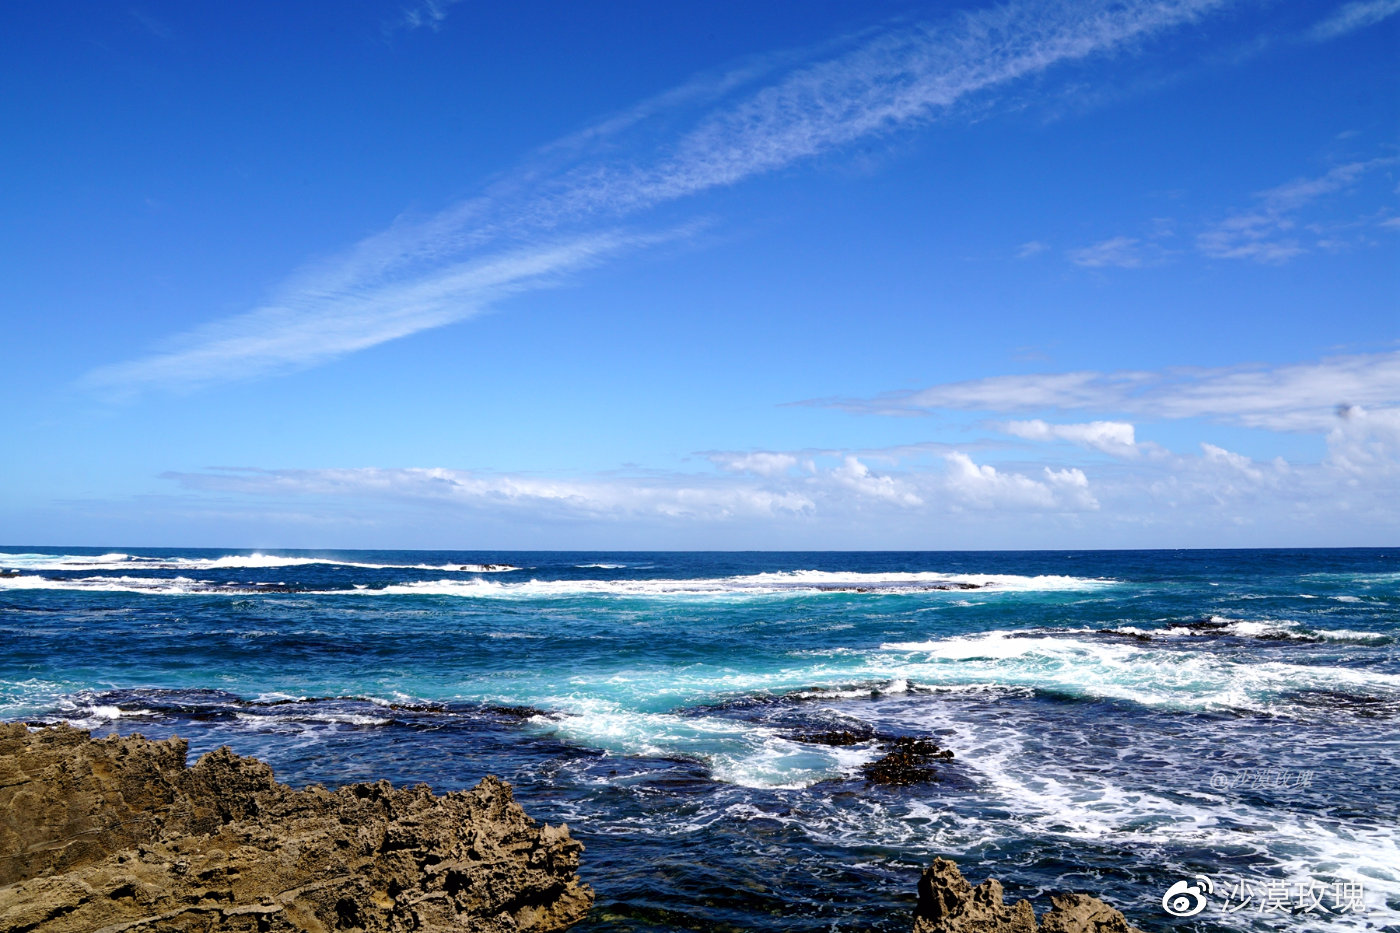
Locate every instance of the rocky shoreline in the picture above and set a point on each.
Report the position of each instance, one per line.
(120, 834)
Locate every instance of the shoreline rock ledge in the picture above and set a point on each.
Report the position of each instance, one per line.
(948, 903)
(118, 835)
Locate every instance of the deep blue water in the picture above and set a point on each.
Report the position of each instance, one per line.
(1120, 720)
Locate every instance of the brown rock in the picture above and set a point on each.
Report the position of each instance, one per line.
(949, 904)
(118, 835)
(1080, 913)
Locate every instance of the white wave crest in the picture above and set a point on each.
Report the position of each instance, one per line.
(255, 561)
(736, 752)
(788, 583)
(1155, 676)
(165, 586)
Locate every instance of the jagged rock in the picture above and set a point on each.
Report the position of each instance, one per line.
(948, 903)
(119, 835)
(907, 761)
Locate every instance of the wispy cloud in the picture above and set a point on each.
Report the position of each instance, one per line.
(427, 13)
(151, 23)
(1269, 231)
(1280, 224)
(1121, 251)
(1354, 16)
(342, 310)
(1299, 396)
(542, 220)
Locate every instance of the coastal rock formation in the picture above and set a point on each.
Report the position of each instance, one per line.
(117, 834)
(948, 903)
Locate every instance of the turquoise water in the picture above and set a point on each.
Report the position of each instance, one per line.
(1121, 720)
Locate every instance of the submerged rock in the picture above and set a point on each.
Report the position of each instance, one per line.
(948, 903)
(835, 738)
(1140, 637)
(119, 834)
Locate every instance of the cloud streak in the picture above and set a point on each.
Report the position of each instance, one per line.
(329, 316)
(543, 220)
(1354, 16)
(1295, 397)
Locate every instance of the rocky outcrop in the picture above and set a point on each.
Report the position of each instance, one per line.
(118, 835)
(948, 903)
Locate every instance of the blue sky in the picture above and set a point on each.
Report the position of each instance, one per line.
(638, 275)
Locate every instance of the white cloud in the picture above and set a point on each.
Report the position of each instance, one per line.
(418, 276)
(1354, 16)
(984, 486)
(856, 476)
(1111, 437)
(1234, 461)
(1292, 397)
(1031, 248)
(1366, 443)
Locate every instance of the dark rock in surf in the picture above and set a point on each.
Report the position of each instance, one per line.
(119, 834)
(1140, 637)
(518, 713)
(907, 761)
(838, 738)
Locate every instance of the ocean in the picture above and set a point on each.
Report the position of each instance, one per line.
(1121, 721)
